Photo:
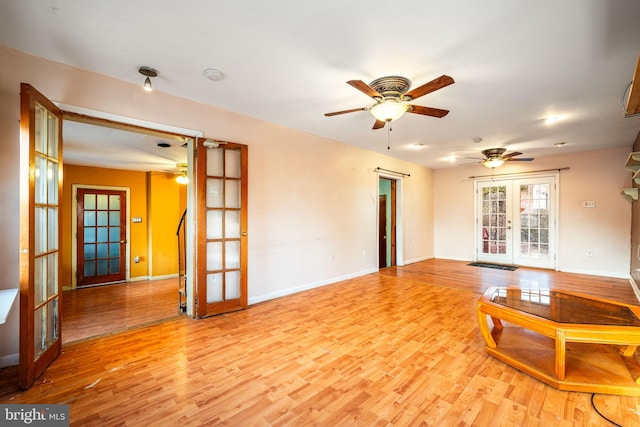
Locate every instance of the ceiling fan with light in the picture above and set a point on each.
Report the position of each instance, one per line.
(495, 157)
(393, 98)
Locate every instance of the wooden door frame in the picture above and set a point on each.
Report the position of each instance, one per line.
(74, 228)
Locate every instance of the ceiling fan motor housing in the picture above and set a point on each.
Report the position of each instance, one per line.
(392, 87)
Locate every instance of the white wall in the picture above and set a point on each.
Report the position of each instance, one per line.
(312, 202)
(595, 175)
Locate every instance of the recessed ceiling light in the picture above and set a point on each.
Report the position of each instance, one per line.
(476, 140)
(552, 119)
(560, 144)
(417, 146)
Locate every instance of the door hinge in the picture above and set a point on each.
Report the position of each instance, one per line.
(195, 152)
(195, 302)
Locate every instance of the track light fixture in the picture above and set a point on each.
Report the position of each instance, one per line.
(148, 72)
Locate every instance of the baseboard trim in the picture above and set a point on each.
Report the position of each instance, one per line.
(635, 288)
(9, 360)
(308, 286)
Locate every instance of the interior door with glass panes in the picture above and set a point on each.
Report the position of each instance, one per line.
(516, 221)
(40, 239)
(221, 256)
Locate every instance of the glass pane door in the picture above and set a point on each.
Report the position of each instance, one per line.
(222, 217)
(516, 222)
(39, 236)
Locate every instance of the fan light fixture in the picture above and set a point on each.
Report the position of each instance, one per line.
(149, 72)
(493, 162)
(389, 110)
(182, 178)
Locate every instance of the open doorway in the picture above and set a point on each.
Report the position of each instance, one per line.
(387, 222)
(140, 166)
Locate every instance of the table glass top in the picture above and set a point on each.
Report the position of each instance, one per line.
(562, 307)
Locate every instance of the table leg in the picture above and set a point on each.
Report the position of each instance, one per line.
(483, 325)
(561, 346)
(628, 350)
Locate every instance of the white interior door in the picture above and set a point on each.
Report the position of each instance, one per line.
(516, 221)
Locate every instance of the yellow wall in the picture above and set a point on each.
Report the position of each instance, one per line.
(167, 201)
(156, 198)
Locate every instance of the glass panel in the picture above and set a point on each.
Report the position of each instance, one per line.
(89, 201)
(52, 274)
(103, 267)
(114, 202)
(232, 254)
(214, 287)
(114, 234)
(89, 218)
(52, 327)
(89, 252)
(52, 239)
(52, 136)
(114, 266)
(40, 331)
(214, 162)
(232, 224)
(114, 218)
(89, 268)
(40, 180)
(214, 224)
(102, 251)
(114, 250)
(232, 163)
(52, 179)
(103, 201)
(103, 234)
(232, 194)
(214, 256)
(214, 193)
(40, 230)
(103, 219)
(40, 129)
(90, 235)
(39, 279)
(232, 285)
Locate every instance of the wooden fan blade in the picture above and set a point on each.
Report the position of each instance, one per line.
(353, 110)
(428, 111)
(364, 88)
(432, 86)
(379, 124)
(522, 159)
(509, 155)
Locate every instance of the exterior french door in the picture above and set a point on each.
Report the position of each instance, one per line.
(40, 239)
(221, 255)
(516, 221)
(101, 236)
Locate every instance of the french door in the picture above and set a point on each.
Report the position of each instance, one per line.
(40, 239)
(221, 255)
(101, 219)
(516, 221)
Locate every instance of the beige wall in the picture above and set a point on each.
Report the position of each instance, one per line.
(312, 202)
(597, 175)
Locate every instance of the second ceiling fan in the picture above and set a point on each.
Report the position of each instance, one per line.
(393, 98)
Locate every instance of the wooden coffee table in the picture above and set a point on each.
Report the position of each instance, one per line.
(570, 341)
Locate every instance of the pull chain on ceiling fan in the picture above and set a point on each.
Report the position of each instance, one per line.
(393, 98)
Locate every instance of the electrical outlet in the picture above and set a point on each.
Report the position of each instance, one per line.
(589, 204)
(589, 253)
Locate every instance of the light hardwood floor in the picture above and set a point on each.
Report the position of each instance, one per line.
(101, 310)
(400, 347)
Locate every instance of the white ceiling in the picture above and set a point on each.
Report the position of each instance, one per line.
(515, 63)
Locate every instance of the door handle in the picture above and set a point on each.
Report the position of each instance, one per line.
(123, 241)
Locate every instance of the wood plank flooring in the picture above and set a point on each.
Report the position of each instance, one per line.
(396, 348)
(101, 310)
